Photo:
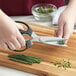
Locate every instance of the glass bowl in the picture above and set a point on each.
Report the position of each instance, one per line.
(43, 12)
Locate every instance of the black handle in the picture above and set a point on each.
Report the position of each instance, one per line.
(28, 32)
(28, 45)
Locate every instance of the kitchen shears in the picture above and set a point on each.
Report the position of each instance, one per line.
(44, 39)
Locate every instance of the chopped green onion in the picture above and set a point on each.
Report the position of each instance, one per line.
(64, 64)
(61, 42)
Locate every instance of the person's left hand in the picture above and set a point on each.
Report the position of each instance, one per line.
(66, 23)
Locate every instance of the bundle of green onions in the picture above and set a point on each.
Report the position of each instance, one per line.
(26, 59)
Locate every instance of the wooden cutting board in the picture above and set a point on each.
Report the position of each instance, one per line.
(48, 53)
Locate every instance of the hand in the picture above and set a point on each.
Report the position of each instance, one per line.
(66, 23)
(9, 33)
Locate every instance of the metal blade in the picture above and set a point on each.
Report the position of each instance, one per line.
(50, 39)
(54, 43)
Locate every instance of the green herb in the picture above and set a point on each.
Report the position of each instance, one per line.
(24, 58)
(21, 61)
(44, 10)
(64, 64)
(61, 42)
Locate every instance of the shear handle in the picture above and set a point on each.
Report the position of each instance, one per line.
(29, 30)
(28, 45)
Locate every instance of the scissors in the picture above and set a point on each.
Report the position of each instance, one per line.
(44, 39)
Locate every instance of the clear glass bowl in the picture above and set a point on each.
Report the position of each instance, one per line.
(43, 12)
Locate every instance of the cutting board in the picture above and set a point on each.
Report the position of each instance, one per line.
(48, 53)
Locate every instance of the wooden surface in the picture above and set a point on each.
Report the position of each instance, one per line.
(48, 53)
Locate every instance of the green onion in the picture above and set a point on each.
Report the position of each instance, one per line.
(21, 61)
(44, 10)
(24, 58)
(61, 42)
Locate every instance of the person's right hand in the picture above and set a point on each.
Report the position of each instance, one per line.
(9, 33)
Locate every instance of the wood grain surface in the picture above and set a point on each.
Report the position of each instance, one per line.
(48, 53)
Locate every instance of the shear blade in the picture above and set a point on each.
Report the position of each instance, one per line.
(55, 43)
(50, 39)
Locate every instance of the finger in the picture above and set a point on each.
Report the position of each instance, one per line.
(55, 34)
(11, 46)
(4, 45)
(67, 31)
(60, 29)
(16, 43)
(19, 26)
(21, 40)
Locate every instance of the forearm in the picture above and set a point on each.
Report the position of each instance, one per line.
(2, 16)
(72, 5)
